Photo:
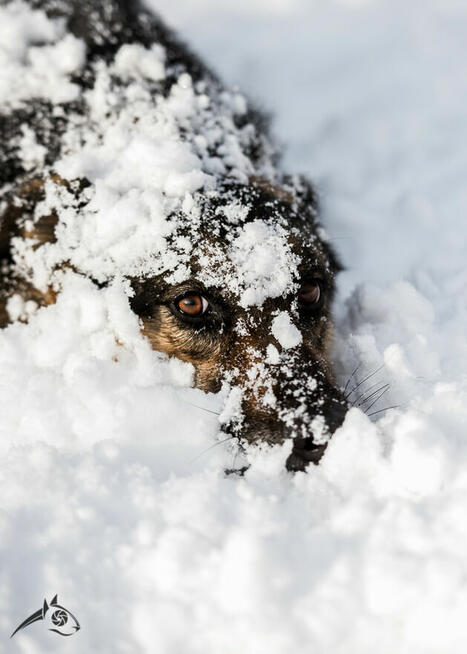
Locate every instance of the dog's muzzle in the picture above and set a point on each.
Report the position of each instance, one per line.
(309, 408)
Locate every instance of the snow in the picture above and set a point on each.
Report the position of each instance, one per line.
(112, 483)
(132, 60)
(286, 333)
(28, 70)
(264, 262)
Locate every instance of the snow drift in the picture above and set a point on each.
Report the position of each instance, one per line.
(112, 484)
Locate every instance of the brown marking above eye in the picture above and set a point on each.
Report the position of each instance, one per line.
(310, 292)
(192, 305)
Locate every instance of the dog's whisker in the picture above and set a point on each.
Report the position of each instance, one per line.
(370, 395)
(364, 380)
(377, 399)
(211, 447)
(202, 408)
(362, 395)
(373, 413)
(350, 378)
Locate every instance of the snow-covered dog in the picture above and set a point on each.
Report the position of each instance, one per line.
(123, 156)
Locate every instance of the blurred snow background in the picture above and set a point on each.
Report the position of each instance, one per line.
(111, 496)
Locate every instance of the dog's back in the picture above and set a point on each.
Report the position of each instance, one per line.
(104, 27)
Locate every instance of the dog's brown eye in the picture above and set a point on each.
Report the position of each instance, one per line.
(193, 305)
(310, 292)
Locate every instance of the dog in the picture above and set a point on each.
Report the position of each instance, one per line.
(226, 263)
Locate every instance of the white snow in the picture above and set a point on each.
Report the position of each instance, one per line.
(27, 70)
(133, 60)
(285, 332)
(111, 476)
(264, 263)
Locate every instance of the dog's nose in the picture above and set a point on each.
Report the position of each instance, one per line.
(305, 450)
(335, 414)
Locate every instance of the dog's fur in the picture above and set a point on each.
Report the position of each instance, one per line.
(231, 343)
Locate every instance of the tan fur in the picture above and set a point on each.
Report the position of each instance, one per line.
(275, 191)
(166, 335)
(17, 221)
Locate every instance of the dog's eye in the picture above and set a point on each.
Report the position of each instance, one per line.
(192, 305)
(310, 292)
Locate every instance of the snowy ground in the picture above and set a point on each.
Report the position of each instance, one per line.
(112, 495)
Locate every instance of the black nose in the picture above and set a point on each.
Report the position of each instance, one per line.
(335, 414)
(305, 450)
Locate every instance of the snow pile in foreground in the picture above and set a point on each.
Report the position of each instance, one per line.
(112, 484)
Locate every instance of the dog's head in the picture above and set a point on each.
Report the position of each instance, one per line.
(243, 284)
(252, 309)
(147, 168)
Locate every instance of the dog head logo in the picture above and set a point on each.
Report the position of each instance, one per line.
(56, 617)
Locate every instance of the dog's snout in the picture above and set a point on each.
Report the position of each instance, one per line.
(309, 408)
(335, 414)
(306, 450)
